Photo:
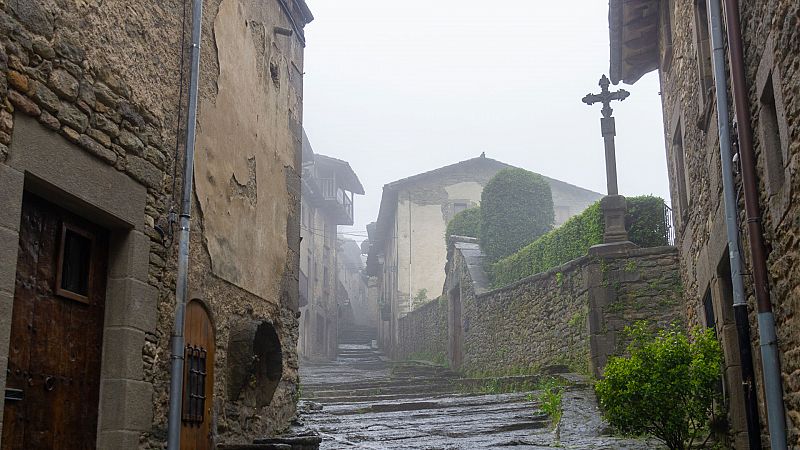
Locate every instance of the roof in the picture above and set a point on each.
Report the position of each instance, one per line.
(345, 175)
(379, 230)
(633, 37)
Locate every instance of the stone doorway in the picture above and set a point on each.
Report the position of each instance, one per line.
(53, 376)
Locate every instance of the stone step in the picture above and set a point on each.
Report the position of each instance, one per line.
(386, 390)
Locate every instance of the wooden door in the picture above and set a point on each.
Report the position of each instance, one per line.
(198, 379)
(53, 378)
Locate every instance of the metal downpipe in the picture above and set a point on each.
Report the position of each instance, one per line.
(181, 287)
(732, 226)
(766, 321)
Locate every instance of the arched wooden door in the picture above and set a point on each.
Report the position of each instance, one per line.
(198, 378)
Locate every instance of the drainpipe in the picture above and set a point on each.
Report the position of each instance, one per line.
(181, 288)
(766, 320)
(732, 227)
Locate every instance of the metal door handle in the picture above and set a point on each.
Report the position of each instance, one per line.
(14, 395)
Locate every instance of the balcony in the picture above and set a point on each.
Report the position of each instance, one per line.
(339, 202)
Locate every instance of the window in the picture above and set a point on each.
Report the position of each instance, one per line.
(194, 384)
(74, 263)
(708, 307)
(681, 180)
(458, 207)
(704, 70)
(772, 146)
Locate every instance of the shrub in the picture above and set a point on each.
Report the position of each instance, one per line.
(646, 228)
(465, 223)
(516, 208)
(665, 388)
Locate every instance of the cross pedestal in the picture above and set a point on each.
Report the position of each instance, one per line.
(613, 205)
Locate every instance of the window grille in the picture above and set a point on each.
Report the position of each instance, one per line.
(194, 384)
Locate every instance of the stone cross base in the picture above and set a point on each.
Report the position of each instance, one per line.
(615, 238)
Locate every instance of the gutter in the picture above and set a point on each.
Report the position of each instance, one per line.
(766, 320)
(732, 227)
(178, 341)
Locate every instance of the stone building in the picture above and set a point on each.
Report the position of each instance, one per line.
(329, 185)
(92, 95)
(673, 38)
(358, 310)
(407, 243)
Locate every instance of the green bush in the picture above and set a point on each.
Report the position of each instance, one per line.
(465, 223)
(665, 388)
(646, 228)
(516, 208)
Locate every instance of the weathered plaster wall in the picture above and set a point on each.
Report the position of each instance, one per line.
(772, 54)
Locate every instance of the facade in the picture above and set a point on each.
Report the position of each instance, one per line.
(358, 310)
(408, 239)
(88, 126)
(673, 38)
(328, 189)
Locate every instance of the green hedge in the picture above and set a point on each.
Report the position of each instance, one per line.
(516, 208)
(646, 228)
(465, 223)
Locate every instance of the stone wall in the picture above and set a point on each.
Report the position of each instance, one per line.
(423, 333)
(572, 315)
(772, 54)
(104, 78)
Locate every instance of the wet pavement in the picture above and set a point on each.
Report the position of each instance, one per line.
(363, 401)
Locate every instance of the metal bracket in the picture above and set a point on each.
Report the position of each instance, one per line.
(15, 395)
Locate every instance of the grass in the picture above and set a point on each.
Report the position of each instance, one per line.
(549, 397)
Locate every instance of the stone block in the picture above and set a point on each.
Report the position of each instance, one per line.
(131, 303)
(43, 48)
(130, 142)
(6, 308)
(105, 125)
(49, 121)
(122, 353)
(11, 185)
(18, 81)
(34, 15)
(116, 440)
(125, 405)
(143, 171)
(105, 95)
(97, 149)
(23, 103)
(131, 256)
(45, 98)
(63, 84)
(73, 117)
(9, 244)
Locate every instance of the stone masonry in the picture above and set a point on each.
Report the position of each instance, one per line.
(98, 82)
(572, 315)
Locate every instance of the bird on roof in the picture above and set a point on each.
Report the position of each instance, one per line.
(483, 154)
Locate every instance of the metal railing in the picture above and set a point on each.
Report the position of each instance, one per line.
(669, 225)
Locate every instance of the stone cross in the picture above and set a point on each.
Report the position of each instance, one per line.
(613, 205)
(608, 128)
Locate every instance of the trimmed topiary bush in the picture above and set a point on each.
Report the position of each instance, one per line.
(465, 223)
(646, 228)
(516, 208)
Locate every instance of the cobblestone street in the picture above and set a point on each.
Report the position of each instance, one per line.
(370, 403)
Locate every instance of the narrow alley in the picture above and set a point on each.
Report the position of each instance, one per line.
(363, 400)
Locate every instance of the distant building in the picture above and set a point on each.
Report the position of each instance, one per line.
(328, 188)
(407, 243)
(357, 310)
(673, 37)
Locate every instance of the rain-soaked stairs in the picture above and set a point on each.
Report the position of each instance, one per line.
(364, 401)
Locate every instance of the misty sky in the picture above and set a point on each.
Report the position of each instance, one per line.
(402, 87)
